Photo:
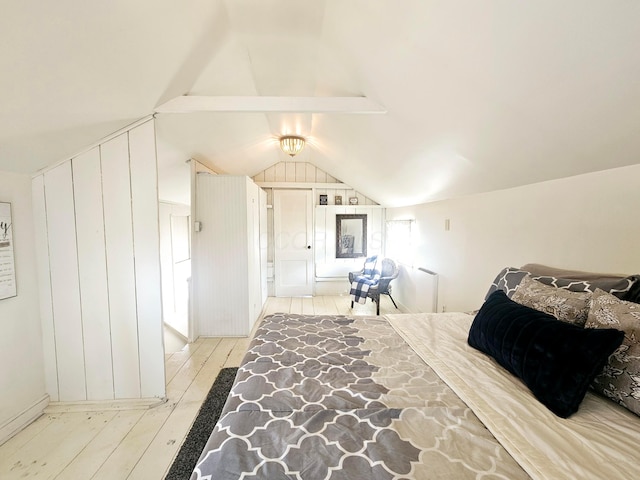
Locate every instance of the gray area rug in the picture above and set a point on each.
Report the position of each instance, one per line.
(202, 426)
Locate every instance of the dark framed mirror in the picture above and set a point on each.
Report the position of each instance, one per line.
(351, 236)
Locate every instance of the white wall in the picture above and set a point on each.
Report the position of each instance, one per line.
(588, 222)
(96, 219)
(22, 387)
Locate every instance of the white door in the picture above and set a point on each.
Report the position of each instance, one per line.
(293, 234)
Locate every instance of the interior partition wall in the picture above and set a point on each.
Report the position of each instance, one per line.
(97, 242)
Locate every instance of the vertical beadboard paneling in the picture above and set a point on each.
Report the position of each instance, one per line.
(120, 266)
(310, 174)
(270, 174)
(222, 308)
(92, 270)
(320, 235)
(65, 286)
(375, 230)
(144, 200)
(290, 172)
(280, 172)
(330, 232)
(44, 287)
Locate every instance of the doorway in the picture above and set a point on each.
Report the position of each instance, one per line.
(293, 242)
(175, 263)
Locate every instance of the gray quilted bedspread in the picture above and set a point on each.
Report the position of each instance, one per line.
(335, 397)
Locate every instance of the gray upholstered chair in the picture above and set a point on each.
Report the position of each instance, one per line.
(388, 271)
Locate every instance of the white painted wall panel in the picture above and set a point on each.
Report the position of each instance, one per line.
(224, 297)
(327, 265)
(144, 199)
(220, 256)
(65, 287)
(253, 252)
(280, 172)
(290, 172)
(92, 268)
(263, 244)
(97, 245)
(44, 287)
(310, 173)
(301, 172)
(320, 235)
(120, 266)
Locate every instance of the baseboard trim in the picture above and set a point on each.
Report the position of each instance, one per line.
(22, 419)
(105, 405)
(176, 332)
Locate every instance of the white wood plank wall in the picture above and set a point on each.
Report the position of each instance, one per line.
(65, 284)
(44, 287)
(298, 172)
(116, 183)
(92, 269)
(146, 232)
(99, 271)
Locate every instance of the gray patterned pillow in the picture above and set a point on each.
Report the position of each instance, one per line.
(565, 305)
(507, 281)
(620, 379)
(627, 288)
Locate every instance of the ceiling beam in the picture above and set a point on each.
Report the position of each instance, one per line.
(259, 104)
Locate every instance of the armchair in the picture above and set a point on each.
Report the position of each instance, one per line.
(388, 271)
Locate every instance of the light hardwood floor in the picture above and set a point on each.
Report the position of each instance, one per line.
(141, 444)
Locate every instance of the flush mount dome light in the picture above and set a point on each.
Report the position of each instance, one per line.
(292, 145)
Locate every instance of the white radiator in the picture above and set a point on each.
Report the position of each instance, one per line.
(416, 290)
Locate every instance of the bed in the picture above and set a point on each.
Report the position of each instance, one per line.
(408, 396)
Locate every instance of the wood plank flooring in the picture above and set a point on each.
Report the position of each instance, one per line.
(141, 444)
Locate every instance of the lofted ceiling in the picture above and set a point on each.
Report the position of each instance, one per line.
(479, 95)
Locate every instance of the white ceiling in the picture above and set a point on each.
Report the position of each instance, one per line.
(480, 95)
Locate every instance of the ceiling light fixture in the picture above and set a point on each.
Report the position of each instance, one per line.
(292, 145)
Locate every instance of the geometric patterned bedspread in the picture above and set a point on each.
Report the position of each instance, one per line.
(336, 397)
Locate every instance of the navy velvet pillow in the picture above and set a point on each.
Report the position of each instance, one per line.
(556, 360)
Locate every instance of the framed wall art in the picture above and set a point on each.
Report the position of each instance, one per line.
(7, 262)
